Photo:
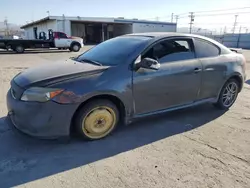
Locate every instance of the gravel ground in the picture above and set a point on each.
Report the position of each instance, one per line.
(197, 147)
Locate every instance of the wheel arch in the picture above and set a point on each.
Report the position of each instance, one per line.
(114, 99)
(236, 76)
(74, 42)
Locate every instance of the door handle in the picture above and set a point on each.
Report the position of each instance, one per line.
(196, 70)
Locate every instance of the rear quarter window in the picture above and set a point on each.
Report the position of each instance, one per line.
(205, 49)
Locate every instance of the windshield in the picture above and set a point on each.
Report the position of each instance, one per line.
(114, 51)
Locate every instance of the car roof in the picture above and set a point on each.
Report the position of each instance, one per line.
(160, 35)
(165, 34)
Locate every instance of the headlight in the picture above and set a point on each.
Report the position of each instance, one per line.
(40, 94)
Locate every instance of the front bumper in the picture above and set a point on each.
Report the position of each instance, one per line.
(44, 120)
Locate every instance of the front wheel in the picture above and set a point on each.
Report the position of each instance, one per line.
(97, 119)
(228, 94)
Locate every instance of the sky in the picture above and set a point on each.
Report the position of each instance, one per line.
(23, 11)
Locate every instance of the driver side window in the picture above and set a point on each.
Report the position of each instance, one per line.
(171, 50)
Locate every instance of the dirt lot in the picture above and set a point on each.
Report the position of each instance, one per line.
(198, 147)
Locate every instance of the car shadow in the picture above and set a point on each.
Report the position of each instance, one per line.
(248, 82)
(24, 159)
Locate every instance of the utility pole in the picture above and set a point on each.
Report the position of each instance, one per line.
(238, 41)
(176, 19)
(220, 31)
(172, 17)
(240, 29)
(7, 26)
(225, 29)
(235, 23)
(191, 21)
(63, 16)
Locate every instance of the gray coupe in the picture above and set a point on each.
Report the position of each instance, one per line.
(121, 79)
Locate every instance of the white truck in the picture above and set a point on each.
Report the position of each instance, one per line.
(55, 40)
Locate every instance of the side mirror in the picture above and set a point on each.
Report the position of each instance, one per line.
(148, 63)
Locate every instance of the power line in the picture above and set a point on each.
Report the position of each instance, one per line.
(240, 8)
(221, 14)
(219, 23)
(182, 15)
(201, 15)
(223, 10)
(158, 17)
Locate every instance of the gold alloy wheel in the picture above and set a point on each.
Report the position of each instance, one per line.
(99, 122)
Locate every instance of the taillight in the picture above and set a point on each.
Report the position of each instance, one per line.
(244, 62)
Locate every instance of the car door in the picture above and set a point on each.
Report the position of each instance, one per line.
(213, 66)
(176, 83)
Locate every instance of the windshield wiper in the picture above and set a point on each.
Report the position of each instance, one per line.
(90, 61)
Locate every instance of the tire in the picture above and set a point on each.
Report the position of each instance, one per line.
(75, 47)
(97, 119)
(230, 98)
(9, 47)
(19, 49)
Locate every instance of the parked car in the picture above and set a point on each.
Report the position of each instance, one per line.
(122, 79)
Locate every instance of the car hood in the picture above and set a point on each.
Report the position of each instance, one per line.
(55, 72)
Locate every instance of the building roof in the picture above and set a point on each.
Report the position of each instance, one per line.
(38, 21)
(143, 21)
(96, 19)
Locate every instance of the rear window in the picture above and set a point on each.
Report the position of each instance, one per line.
(206, 49)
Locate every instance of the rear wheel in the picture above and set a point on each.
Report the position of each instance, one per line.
(97, 119)
(19, 49)
(228, 94)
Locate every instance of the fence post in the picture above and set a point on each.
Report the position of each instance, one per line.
(238, 41)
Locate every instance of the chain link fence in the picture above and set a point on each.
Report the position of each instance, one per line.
(234, 40)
